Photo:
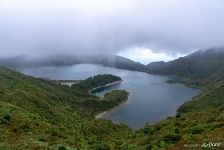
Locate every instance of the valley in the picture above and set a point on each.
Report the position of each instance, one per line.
(39, 114)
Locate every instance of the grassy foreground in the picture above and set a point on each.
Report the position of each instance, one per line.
(37, 114)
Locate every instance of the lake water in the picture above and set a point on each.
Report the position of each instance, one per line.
(151, 98)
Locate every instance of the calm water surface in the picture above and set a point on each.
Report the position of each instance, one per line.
(151, 98)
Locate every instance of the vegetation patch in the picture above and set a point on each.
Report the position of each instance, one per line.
(37, 114)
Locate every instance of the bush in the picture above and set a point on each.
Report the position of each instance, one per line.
(133, 147)
(7, 117)
(176, 130)
(3, 121)
(172, 138)
(152, 144)
(197, 129)
(62, 147)
(54, 131)
(100, 146)
(178, 115)
(162, 144)
(155, 147)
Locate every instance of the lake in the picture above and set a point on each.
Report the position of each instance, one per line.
(151, 98)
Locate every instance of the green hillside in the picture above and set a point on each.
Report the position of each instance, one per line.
(198, 121)
(195, 68)
(36, 114)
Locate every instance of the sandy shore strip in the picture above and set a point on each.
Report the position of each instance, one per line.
(107, 85)
(102, 114)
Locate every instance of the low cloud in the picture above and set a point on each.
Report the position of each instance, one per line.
(86, 27)
(145, 55)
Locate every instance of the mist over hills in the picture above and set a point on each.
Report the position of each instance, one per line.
(45, 115)
(113, 61)
(61, 111)
(198, 65)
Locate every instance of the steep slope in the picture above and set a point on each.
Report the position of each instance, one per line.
(212, 97)
(199, 65)
(37, 114)
(197, 123)
(155, 66)
(124, 63)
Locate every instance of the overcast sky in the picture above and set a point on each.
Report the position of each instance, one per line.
(143, 30)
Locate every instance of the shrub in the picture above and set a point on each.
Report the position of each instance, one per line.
(190, 139)
(132, 147)
(197, 129)
(152, 144)
(178, 115)
(162, 144)
(54, 131)
(42, 139)
(7, 117)
(176, 130)
(62, 147)
(1, 147)
(3, 121)
(172, 138)
(155, 147)
(100, 146)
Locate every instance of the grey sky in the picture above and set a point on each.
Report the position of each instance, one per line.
(80, 27)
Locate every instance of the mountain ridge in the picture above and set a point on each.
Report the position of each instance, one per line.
(210, 60)
(38, 114)
(199, 64)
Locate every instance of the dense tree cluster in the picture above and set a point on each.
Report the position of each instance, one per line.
(95, 81)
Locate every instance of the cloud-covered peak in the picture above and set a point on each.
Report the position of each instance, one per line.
(81, 27)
